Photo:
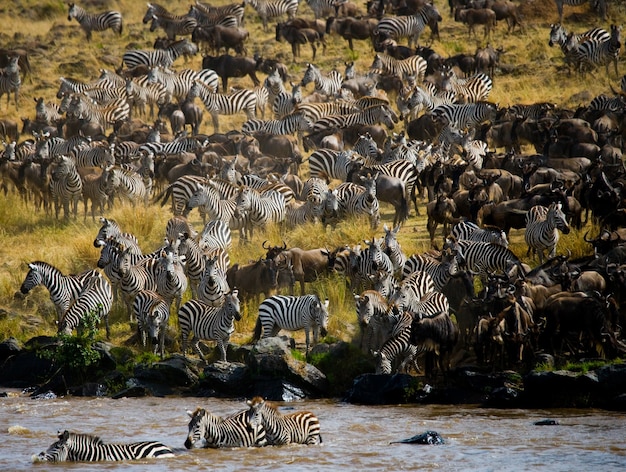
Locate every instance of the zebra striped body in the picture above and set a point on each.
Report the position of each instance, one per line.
(413, 66)
(179, 84)
(126, 184)
(327, 163)
(329, 85)
(398, 346)
(97, 22)
(284, 103)
(152, 314)
(316, 111)
(392, 248)
(136, 273)
(410, 27)
(273, 8)
(260, 209)
(470, 90)
(111, 229)
(208, 199)
(10, 81)
(358, 200)
(225, 104)
(94, 189)
(101, 156)
(48, 112)
(483, 259)
(472, 232)
(82, 107)
(594, 53)
(368, 263)
(64, 289)
(420, 99)
(301, 427)
(208, 430)
(542, 233)
(87, 448)
(208, 322)
(208, 15)
(600, 5)
(289, 124)
(66, 187)
(174, 25)
(412, 289)
(215, 234)
(467, 114)
(292, 313)
(96, 297)
(372, 315)
(370, 116)
(171, 281)
(213, 287)
(299, 213)
(159, 57)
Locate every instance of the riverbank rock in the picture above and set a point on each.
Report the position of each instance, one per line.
(383, 389)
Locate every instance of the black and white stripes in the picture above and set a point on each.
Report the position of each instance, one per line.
(95, 22)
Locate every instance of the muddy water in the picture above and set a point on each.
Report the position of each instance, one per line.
(355, 437)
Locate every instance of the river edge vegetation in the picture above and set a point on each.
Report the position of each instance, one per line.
(531, 71)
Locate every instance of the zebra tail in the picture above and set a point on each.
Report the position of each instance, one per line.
(403, 212)
(163, 196)
(257, 330)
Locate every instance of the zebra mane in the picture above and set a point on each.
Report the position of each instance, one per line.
(92, 439)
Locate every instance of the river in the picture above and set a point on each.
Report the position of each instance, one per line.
(354, 437)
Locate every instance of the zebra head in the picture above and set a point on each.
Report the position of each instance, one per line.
(73, 11)
(152, 10)
(383, 363)
(558, 35)
(198, 425)
(58, 450)
(232, 304)
(254, 415)
(555, 213)
(33, 279)
(311, 74)
(320, 315)
(364, 310)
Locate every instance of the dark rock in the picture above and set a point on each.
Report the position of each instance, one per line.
(89, 389)
(277, 390)
(546, 422)
(25, 369)
(503, 397)
(226, 378)
(133, 391)
(382, 389)
(8, 348)
(566, 389)
(173, 372)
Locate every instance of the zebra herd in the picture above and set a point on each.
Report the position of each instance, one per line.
(262, 424)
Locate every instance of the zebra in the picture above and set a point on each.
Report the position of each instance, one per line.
(327, 163)
(372, 314)
(125, 183)
(209, 430)
(98, 22)
(396, 346)
(152, 314)
(111, 229)
(224, 104)
(94, 189)
(301, 427)
(66, 187)
(209, 322)
(392, 248)
(593, 53)
(599, 5)
(159, 57)
(48, 147)
(370, 116)
(467, 114)
(316, 111)
(100, 156)
(288, 124)
(369, 262)
(171, 281)
(323, 8)
(363, 201)
(298, 213)
(412, 289)
(48, 112)
(195, 261)
(96, 298)
(82, 107)
(215, 234)
(467, 230)
(471, 90)
(260, 208)
(64, 289)
(483, 259)
(179, 84)
(542, 233)
(10, 81)
(604, 102)
(420, 100)
(273, 8)
(213, 286)
(210, 202)
(409, 26)
(292, 313)
(208, 15)
(329, 85)
(136, 273)
(284, 103)
(439, 271)
(413, 66)
(173, 25)
(87, 448)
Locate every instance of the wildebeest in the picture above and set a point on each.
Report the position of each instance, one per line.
(438, 336)
(227, 66)
(307, 265)
(476, 16)
(351, 28)
(254, 278)
(297, 36)
(218, 37)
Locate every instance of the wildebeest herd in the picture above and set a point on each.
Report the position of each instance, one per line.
(95, 145)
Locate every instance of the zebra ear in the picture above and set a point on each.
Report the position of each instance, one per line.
(32, 266)
(190, 413)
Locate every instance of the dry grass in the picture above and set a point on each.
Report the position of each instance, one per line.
(58, 48)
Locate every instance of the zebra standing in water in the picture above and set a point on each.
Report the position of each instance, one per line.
(542, 232)
(301, 427)
(10, 81)
(64, 289)
(152, 314)
(209, 322)
(87, 448)
(273, 8)
(397, 27)
(98, 22)
(66, 187)
(292, 313)
(208, 430)
(96, 298)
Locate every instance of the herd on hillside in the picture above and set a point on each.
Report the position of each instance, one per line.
(408, 306)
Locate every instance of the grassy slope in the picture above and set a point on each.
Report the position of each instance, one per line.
(58, 48)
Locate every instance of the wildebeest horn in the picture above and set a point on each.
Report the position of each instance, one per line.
(284, 245)
(590, 241)
(263, 245)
